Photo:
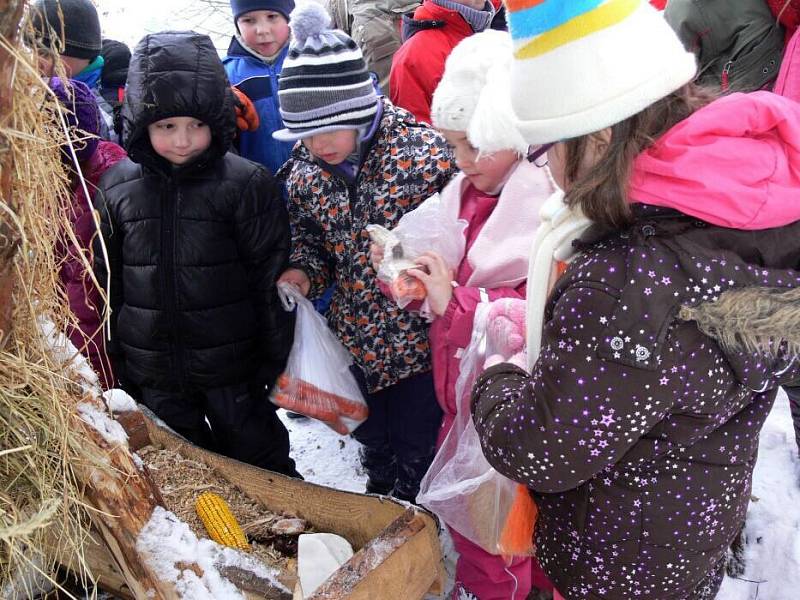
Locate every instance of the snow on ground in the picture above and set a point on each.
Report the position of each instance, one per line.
(323, 456)
(773, 520)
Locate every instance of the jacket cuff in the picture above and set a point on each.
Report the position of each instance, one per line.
(482, 403)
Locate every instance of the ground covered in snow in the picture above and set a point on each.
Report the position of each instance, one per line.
(773, 521)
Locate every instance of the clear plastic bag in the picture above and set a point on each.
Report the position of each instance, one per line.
(427, 228)
(461, 487)
(317, 381)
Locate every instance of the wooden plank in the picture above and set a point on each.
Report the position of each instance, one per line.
(415, 577)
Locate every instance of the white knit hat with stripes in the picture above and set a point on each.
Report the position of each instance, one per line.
(583, 65)
(324, 85)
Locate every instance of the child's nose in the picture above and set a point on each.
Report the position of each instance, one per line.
(181, 139)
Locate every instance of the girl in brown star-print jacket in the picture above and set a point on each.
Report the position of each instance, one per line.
(362, 161)
(665, 341)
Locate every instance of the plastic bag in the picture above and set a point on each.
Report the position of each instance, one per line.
(461, 487)
(428, 228)
(317, 381)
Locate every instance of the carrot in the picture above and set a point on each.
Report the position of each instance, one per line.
(517, 536)
(293, 402)
(310, 393)
(408, 287)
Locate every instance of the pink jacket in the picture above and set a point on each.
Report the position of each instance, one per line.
(734, 163)
(499, 237)
(84, 297)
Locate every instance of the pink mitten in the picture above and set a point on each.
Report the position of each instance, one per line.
(505, 330)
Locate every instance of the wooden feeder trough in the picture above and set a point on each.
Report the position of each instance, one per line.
(397, 552)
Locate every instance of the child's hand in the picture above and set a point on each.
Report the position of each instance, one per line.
(246, 114)
(375, 255)
(297, 278)
(437, 281)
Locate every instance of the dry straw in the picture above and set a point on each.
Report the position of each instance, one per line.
(42, 514)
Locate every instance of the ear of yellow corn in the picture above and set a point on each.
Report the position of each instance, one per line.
(219, 521)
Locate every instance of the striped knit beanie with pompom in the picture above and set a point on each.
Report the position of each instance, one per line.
(324, 85)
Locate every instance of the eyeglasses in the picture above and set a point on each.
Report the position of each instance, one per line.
(538, 153)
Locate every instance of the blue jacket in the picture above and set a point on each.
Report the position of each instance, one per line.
(259, 81)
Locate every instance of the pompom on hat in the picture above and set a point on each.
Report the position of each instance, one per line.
(324, 85)
(473, 95)
(583, 65)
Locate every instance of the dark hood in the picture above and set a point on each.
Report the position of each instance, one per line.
(739, 286)
(175, 74)
(117, 59)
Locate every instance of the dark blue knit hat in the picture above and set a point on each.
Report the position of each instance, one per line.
(239, 7)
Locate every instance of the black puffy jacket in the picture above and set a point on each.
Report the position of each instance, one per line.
(195, 250)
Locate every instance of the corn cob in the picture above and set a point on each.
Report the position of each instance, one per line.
(219, 521)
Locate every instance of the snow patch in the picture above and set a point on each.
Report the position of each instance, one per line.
(772, 552)
(171, 548)
(69, 357)
(100, 420)
(119, 401)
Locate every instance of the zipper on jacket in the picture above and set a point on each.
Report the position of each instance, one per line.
(726, 75)
(169, 212)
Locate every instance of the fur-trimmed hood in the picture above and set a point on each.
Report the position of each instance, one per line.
(740, 287)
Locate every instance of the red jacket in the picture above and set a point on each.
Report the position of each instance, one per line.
(418, 65)
(84, 297)
(789, 16)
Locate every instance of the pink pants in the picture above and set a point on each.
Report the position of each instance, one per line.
(488, 576)
(557, 596)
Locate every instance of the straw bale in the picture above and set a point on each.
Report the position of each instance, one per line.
(39, 450)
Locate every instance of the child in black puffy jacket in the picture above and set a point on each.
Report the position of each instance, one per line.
(196, 238)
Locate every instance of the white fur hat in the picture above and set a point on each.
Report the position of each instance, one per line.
(473, 95)
(583, 65)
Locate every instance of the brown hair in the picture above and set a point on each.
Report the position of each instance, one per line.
(602, 192)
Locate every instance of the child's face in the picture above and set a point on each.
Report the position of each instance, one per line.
(265, 31)
(487, 173)
(179, 139)
(333, 147)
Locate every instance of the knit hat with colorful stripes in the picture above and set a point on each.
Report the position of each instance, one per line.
(583, 65)
(324, 85)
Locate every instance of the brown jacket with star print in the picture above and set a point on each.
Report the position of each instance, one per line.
(637, 432)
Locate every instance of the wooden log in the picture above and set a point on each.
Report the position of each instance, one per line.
(10, 17)
(124, 500)
(364, 565)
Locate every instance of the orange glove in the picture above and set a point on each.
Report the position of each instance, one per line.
(246, 115)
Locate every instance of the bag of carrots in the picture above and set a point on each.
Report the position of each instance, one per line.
(427, 228)
(317, 381)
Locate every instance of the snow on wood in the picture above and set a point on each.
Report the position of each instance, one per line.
(66, 354)
(176, 555)
(100, 420)
(119, 401)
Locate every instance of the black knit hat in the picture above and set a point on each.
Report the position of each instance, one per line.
(78, 36)
(240, 7)
(117, 57)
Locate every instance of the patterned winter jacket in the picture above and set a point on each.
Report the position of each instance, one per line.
(637, 432)
(406, 163)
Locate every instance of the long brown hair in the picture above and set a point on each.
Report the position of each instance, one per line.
(602, 192)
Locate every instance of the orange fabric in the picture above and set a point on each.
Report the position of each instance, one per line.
(515, 5)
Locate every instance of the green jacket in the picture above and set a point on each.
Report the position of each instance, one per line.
(738, 48)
